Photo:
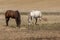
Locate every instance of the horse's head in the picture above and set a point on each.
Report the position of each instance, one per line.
(18, 13)
(18, 18)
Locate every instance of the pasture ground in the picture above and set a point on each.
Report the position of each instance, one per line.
(46, 30)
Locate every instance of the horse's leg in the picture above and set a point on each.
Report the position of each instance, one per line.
(29, 20)
(7, 19)
(31, 17)
(40, 19)
(36, 20)
(17, 22)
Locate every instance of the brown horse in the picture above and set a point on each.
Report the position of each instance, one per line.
(13, 14)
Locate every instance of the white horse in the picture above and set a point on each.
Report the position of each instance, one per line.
(35, 14)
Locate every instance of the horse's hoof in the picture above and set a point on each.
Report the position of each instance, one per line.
(6, 25)
(18, 26)
(37, 24)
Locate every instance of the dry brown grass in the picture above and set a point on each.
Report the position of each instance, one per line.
(25, 5)
(49, 30)
(44, 31)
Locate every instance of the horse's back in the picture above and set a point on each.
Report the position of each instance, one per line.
(11, 13)
(35, 13)
(8, 13)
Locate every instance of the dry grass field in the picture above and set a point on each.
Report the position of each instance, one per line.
(46, 30)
